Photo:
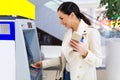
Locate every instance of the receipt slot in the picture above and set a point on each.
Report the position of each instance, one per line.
(19, 48)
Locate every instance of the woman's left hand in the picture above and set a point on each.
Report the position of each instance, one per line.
(80, 47)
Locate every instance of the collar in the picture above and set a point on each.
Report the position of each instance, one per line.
(82, 28)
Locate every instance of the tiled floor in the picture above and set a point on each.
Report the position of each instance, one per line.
(101, 75)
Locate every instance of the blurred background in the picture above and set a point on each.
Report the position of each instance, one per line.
(30, 31)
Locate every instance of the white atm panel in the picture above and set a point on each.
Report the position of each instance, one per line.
(27, 40)
(7, 50)
(19, 47)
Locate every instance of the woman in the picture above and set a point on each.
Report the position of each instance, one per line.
(78, 58)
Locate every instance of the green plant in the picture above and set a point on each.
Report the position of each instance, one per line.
(112, 12)
(112, 8)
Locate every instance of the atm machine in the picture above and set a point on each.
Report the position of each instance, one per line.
(19, 47)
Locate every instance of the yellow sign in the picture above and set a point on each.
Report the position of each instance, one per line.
(22, 8)
(115, 23)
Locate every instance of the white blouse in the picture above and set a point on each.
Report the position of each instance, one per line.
(66, 47)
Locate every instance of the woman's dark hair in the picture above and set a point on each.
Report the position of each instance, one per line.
(69, 7)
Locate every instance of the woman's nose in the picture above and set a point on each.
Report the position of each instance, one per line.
(61, 22)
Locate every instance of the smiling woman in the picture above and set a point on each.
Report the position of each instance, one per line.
(77, 59)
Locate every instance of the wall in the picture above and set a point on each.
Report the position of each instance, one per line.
(47, 20)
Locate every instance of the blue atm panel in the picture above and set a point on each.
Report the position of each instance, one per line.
(7, 30)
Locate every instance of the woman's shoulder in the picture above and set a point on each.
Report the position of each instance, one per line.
(91, 29)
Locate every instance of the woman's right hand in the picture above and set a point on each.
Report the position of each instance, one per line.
(37, 64)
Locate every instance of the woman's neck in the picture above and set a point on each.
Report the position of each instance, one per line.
(76, 24)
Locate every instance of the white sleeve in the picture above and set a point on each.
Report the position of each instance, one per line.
(94, 56)
(50, 62)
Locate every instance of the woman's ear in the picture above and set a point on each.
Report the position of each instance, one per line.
(72, 14)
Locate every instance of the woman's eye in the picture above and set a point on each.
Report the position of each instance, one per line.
(61, 18)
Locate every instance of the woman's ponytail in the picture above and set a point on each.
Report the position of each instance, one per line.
(85, 19)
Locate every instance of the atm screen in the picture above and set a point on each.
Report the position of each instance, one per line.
(32, 53)
(29, 52)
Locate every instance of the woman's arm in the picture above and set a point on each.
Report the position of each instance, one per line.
(50, 62)
(94, 56)
(46, 63)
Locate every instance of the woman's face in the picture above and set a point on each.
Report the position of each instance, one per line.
(65, 19)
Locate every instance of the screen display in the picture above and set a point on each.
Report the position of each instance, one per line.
(4, 28)
(7, 30)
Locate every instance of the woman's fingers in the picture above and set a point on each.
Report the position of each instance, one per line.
(37, 64)
(74, 44)
(32, 65)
